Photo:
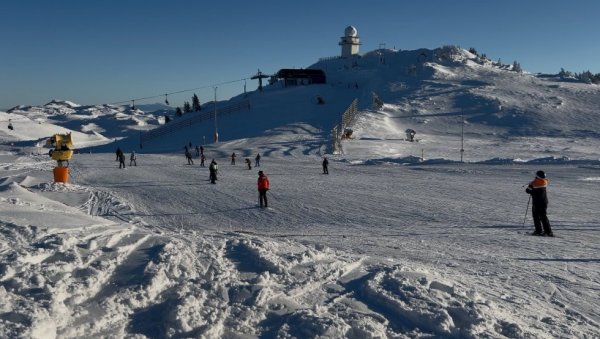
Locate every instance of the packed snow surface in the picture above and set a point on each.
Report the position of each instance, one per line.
(400, 240)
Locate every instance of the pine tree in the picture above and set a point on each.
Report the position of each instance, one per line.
(187, 107)
(178, 111)
(586, 77)
(517, 67)
(196, 103)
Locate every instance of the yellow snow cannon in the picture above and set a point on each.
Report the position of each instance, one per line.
(62, 152)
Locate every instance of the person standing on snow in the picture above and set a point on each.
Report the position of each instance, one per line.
(118, 152)
(202, 158)
(263, 187)
(249, 163)
(121, 160)
(325, 164)
(233, 156)
(213, 168)
(132, 159)
(257, 160)
(539, 199)
(188, 155)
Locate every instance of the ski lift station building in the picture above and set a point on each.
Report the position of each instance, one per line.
(294, 77)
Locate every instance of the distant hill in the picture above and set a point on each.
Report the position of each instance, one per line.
(426, 90)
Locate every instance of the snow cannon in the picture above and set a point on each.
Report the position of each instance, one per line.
(62, 152)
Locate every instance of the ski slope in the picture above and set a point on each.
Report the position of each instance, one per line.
(367, 251)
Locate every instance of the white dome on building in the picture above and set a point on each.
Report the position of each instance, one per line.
(350, 42)
(350, 31)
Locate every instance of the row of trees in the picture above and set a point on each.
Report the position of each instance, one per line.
(187, 108)
(587, 76)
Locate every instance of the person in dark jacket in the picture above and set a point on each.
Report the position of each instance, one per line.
(257, 160)
(188, 156)
(233, 156)
(132, 159)
(263, 187)
(213, 168)
(122, 160)
(539, 199)
(119, 152)
(249, 163)
(325, 164)
(202, 158)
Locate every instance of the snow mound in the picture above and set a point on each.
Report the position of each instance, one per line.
(121, 280)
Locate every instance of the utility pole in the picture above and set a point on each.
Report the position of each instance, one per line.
(215, 107)
(462, 136)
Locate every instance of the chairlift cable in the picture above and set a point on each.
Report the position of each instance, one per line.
(177, 92)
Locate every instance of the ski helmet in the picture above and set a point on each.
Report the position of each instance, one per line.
(540, 174)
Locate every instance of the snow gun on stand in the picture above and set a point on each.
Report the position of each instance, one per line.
(62, 152)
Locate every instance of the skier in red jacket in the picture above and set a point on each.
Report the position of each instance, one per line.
(263, 187)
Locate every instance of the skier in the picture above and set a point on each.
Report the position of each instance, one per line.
(132, 159)
(121, 160)
(118, 152)
(325, 164)
(233, 156)
(257, 160)
(249, 163)
(202, 158)
(213, 168)
(537, 189)
(188, 155)
(263, 187)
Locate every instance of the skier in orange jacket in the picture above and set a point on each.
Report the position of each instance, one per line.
(537, 189)
(263, 187)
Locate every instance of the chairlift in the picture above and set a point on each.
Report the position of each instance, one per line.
(166, 100)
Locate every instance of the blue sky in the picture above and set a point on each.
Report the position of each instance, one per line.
(94, 52)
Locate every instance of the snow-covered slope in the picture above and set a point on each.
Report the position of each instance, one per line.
(367, 251)
(425, 90)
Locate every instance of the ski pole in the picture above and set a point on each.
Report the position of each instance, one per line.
(527, 209)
